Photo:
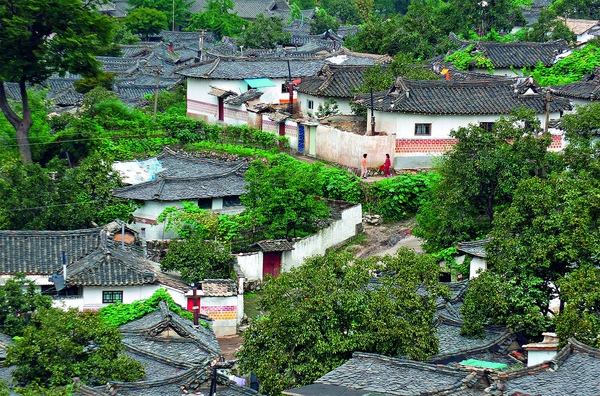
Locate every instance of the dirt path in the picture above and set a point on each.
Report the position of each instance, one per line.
(387, 239)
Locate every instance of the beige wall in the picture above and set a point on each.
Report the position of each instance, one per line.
(346, 148)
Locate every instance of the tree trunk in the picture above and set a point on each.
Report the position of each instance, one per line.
(22, 124)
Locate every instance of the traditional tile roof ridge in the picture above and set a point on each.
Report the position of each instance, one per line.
(396, 376)
(40, 252)
(573, 371)
(454, 347)
(243, 98)
(521, 54)
(496, 96)
(278, 245)
(474, 248)
(334, 81)
(586, 89)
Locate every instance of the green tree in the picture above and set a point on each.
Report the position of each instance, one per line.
(479, 175)
(19, 299)
(59, 345)
(582, 9)
(283, 195)
(103, 79)
(549, 28)
(364, 7)
(41, 38)
(197, 259)
(483, 16)
(343, 10)
(322, 22)
(181, 7)
(377, 36)
(319, 313)
(550, 228)
(580, 292)
(264, 33)
(218, 18)
(145, 21)
(304, 4)
(34, 199)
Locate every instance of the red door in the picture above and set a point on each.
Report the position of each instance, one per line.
(190, 304)
(221, 109)
(271, 263)
(282, 129)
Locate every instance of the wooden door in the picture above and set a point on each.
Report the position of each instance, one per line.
(282, 128)
(271, 263)
(221, 109)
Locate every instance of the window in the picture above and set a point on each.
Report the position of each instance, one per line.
(423, 129)
(109, 297)
(231, 201)
(285, 88)
(205, 203)
(487, 126)
(311, 105)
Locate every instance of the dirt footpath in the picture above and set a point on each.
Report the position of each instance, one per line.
(387, 239)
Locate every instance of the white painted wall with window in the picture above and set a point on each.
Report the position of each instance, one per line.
(93, 295)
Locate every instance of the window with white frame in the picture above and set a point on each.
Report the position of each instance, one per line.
(311, 105)
(109, 297)
(423, 129)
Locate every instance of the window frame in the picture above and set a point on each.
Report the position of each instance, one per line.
(310, 104)
(427, 127)
(487, 126)
(107, 293)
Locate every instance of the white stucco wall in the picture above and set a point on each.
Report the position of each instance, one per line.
(537, 357)
(224, 313)
(477, 264)
(251, 264)
(203, 106)
(343, 104)
(92, 295)
(350, 147)
(336, 233)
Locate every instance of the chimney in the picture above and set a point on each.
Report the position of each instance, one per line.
(144, 245)
(448, 75)
(542, 351)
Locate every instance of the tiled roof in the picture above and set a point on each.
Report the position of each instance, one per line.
(521, 54)
(176, 356)
(243, 98)
(279, 116)
(280, 245)
(579, 26)
(239, 69)
(219, 287)
(40, 252)
(574, 371)
(186, 177)
(493, 97)
(4, 342)
(333, 81)
(586, 89)
(382, 375)
(474, 248)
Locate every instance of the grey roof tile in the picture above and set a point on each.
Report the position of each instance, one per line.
(474, 248)
(495, 97)
(243, 98)
(521, 54)
(186, 177)
(40, 252)
(333, 81)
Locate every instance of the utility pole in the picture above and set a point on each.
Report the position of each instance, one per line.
(547, 111)
(372, 115)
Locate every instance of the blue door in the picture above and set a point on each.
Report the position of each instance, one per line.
(301, 138)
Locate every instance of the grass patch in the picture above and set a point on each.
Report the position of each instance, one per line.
(251, 304)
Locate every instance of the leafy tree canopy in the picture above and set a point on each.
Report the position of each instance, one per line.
(182, 8)
(197, 259)
(19, 299)
(219, 19)
(59, 345)
(478, 177)
(67, 199)
(570, 68)
(264, 33)
(343, 10)
(40, 38)
(145, 21)
(319, 313)
(581, 9)
(548, 28)
(322, 22)
(283, 196)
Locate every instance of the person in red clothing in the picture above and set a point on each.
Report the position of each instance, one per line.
(386, 166)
